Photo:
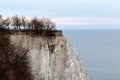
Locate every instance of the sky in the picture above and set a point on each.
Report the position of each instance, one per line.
(68, 14)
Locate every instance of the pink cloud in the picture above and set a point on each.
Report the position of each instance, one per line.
(85, 21)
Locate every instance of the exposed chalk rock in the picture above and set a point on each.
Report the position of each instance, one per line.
(51, 58)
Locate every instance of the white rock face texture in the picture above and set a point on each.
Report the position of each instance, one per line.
(51, 58)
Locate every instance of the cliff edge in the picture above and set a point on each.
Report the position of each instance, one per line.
(51, 58)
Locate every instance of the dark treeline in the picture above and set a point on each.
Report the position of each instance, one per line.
(24, 23)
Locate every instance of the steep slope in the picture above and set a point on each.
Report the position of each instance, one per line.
(51, 58)
(13, 61)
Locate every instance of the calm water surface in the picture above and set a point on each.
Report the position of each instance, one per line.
(99, 50)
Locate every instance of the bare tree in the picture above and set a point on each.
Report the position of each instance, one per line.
(40, 24)
(2, 22)
(7, 22)
(23, 22)
(29, 25)
(16, 22)
(48, 24)
(34, 23)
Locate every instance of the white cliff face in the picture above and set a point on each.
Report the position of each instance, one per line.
(51, 58)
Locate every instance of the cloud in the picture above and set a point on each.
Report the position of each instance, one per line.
(68, 21)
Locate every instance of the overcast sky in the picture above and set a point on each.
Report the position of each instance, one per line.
(69, 13)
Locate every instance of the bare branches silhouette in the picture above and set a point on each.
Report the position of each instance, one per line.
(41, 26)
(25, 23)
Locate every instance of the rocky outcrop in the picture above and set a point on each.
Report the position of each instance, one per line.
(51, 58)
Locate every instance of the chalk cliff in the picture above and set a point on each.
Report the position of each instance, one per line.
(51, 58)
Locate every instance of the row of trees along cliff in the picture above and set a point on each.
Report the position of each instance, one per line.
(20, 25)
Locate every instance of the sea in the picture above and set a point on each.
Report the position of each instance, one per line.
(99, 50)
